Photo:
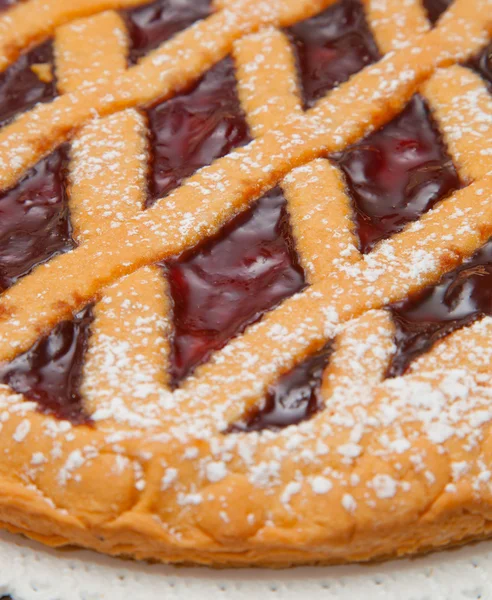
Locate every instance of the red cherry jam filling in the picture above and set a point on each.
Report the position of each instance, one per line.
(193, 129)
(152, 24)
(294, 398)
(331, 47)
(20, 86)
(482, 64)
(4, 5)
(231, 280)
(461, 297)
(435, 8)
(34, 219)
(397, 174)
(50, 372)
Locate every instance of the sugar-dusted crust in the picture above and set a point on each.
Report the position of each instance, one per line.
(390, 466)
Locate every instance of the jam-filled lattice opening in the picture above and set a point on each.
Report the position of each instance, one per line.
(34, 219)
(332, 46)
(50, 372)
(457, 300)
(194, 128)
(31, 79)
(153, 23)
(294, 398)
(482, 64)
(230, 281)
(397, 173)
(5, 4)
(435, 8)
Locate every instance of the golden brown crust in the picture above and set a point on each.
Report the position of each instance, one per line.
(389, 467)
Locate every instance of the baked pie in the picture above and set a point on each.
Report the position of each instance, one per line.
(246, 272)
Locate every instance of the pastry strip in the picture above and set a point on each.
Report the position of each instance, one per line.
(461, 104)
(129, 346)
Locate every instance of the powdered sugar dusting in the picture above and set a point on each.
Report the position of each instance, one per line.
(378, 440)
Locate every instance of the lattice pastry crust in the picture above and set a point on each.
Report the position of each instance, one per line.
(389, 465)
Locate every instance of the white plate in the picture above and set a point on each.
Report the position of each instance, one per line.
(29, 571)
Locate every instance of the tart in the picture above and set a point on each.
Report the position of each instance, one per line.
(246, 274)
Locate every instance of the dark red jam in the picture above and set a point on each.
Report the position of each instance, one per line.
(461, 297)
(34, 219)
(397, 173)
(231, 280)
(4, 5)
(152, 24)
(20, 86)
(482, 64)
(193, 129)
(435, 8)
(294, 398)
(331, 47)
(50, 372)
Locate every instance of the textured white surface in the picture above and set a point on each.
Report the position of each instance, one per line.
(28, 571)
